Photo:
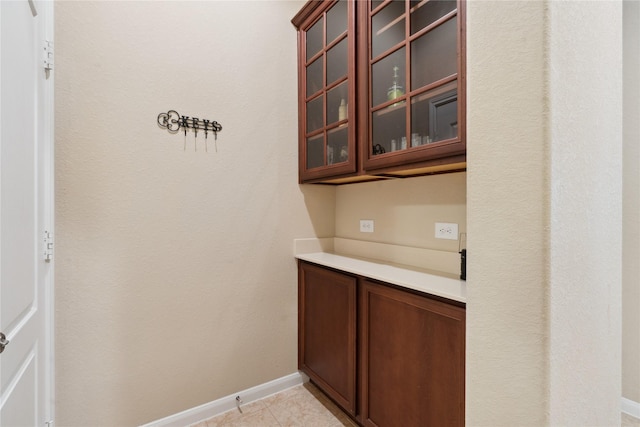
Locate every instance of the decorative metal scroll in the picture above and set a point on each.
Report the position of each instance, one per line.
(173, 122)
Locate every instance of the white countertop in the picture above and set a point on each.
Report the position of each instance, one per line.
(431, 282)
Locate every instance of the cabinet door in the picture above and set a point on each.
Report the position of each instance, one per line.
(327, 332)
(413, 60)
(326, 72)
(412, 359)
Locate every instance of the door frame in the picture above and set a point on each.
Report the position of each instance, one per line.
(46, 8)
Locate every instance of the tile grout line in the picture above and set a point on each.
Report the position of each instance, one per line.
(273, 415)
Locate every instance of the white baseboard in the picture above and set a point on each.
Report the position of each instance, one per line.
(217, 407)
(630, 407)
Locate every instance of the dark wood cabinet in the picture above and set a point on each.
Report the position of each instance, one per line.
(411, 359)
(327, 332)
(395, 105)
(410, 349)
(326, 88)
(412, 81)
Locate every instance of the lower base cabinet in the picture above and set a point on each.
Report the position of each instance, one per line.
(411, 359)
(327, 332)
(388, 356)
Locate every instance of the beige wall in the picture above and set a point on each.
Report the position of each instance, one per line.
(404, 210)
(175, 283)
(544, 213)
(631, 207)
(585, 132)
(507, 211)
(175, 280)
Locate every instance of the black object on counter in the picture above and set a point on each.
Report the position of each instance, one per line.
(463, 264)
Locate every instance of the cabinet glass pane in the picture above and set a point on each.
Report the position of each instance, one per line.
(314, 38)
(388, 78)
(434, 115)
(315, 151)
(337, 62)
(337, 103)
(389, 129)
(425, 13)
(337, 145)
(376, 3)
(387, 28)
(434, 55)
(336, 21)
(315, 119)
(314, 76)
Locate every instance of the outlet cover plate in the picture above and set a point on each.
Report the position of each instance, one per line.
(366, 226)
(446, 230)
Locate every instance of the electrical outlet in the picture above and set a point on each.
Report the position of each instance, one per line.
(366, 226)
(446, 230)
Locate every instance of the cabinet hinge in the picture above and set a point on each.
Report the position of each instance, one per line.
(48, 246)
(48, 55)
(49, 423)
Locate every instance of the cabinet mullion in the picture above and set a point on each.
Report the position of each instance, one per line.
(407, 73)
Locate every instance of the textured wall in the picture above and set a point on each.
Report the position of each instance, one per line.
(507, 213)
(404, 210)
(631, 207)
(585, 125)
(544, 213)
(175, 280)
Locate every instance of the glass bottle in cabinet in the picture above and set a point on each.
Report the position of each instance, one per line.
(413, 59)
(395, 90)
(326, 56)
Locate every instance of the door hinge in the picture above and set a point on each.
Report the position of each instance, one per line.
(48, 246)
(48, 55)
(49, 423)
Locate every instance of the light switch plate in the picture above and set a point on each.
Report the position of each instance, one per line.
(366, 226)
(446, 230)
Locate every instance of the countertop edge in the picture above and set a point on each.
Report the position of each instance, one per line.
(433, 284)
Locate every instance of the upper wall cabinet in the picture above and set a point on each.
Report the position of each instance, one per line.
(326, 87)
(410, 68)
(396, 104)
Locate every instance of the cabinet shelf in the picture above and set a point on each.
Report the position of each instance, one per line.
(433, 19)
(390, 106)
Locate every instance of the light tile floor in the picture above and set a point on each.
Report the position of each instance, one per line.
(302, 406)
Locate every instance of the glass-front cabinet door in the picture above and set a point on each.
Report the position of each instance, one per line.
(414, 60)
(326, 58)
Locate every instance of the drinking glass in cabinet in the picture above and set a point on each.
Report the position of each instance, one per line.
(389, 124)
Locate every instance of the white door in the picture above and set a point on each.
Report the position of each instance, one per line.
(26, 364)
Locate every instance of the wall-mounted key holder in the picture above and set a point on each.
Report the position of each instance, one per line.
(173, 122)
